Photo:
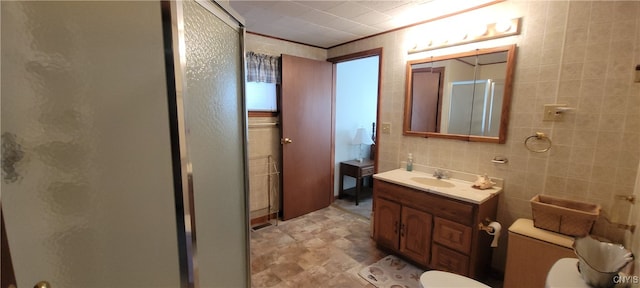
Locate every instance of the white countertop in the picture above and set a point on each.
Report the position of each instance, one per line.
(461, 191)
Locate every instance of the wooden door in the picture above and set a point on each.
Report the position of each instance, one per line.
(415, 235)
(306, 135)
(427, 99)
(387, 223)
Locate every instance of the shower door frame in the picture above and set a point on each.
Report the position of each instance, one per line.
(175, 58)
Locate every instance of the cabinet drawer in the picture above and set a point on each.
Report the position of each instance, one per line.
(453, 235)
(367, 171)
(425, 201)
(349, 170)
(448, 260)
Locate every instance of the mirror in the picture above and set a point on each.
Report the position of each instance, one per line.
(463, 96)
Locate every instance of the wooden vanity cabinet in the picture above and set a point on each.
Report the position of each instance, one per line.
(433, 231)
(387, 215)
(403, 229)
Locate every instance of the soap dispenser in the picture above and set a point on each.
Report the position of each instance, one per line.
(410, 162)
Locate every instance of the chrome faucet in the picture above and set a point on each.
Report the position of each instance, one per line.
(441, 174)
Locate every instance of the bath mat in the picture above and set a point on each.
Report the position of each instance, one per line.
(392, 272)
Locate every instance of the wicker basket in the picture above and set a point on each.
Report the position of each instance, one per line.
(563, 216)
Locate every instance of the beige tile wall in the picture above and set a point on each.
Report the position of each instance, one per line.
(633, 241)
(264, 159)
(577, 52)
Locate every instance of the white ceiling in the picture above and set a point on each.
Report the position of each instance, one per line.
(328, 23)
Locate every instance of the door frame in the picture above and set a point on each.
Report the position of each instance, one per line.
(349, 57)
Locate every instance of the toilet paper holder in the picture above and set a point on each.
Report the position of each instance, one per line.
(492, 228)
(484, 226)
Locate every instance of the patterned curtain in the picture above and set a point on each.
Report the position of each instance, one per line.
(263, 68)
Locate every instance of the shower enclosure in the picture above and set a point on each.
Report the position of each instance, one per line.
(123, 135)
(476, 107)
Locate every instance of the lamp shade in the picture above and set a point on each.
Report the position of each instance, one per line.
(361, 138)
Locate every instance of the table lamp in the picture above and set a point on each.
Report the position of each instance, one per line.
(360, 139)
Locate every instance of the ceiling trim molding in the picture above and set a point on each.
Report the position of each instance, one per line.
(282, 39)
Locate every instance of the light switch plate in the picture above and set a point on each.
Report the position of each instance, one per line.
(551, 112)
(386, 128)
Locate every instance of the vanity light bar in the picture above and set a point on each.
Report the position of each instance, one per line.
(491, 31)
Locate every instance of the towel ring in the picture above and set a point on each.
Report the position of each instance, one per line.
(538, 136)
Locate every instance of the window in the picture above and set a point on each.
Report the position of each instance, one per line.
(261, 97)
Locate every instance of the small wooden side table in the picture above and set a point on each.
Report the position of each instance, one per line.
(357, 170)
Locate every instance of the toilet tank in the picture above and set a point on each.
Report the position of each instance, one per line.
(531, 252)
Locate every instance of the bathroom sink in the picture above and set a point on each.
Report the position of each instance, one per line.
(433, 182)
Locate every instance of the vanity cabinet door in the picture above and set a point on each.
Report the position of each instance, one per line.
(415, 235)
(387, 223)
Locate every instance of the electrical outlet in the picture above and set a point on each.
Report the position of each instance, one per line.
(386, 128)
(552, 112)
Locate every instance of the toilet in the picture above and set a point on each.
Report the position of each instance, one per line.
(535, 258)
(564, 273)
(531, 252)
(436, 278)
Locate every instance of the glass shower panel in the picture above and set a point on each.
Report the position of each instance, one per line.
(461, 107)
(215, 140)
(495, 109)
(87, 193)
(477, 107)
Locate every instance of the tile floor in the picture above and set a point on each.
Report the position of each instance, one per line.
(326, 248)
(364, 208)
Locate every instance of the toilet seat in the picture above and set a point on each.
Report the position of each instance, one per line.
(564, 273)
(435, 278)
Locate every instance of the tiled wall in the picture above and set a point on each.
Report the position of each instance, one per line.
(574, 52)
(265, 140)
(633, 241)
(264, 159)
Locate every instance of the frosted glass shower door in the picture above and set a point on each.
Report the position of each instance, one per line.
(476, 107)
(461, 107)
(87, 188)
(215, 140)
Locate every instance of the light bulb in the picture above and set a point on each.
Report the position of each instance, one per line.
(503, 26)
(478, 30)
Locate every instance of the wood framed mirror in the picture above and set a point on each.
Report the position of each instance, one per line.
(464, 96)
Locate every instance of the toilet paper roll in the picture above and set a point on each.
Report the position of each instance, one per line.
(496, 233)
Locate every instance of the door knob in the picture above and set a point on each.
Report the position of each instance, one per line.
(42, 284)
(286, 141)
